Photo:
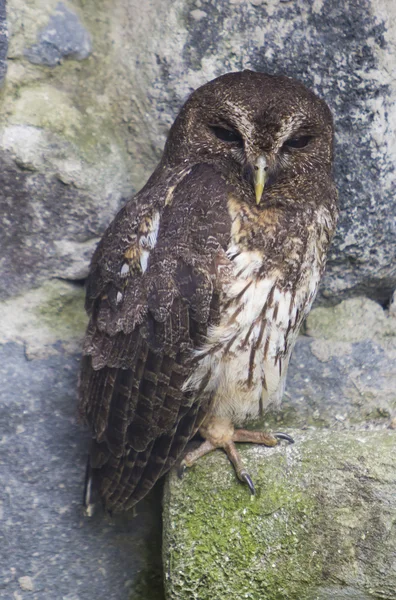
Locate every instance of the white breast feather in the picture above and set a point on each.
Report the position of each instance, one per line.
(226, 357)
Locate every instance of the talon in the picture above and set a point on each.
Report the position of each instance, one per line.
(246, 477)
(284, 436)
(191, 457)
(181, 470)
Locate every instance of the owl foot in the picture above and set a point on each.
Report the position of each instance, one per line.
(240, 470)
(232, 453)
(255, 437)
(239, 435)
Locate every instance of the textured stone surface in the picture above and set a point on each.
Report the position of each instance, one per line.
(320, 527)
(343, 371)
(45, 320)
(106, 118)
(64, 169)
(46, 536)
(49, 548)
(63, 37)
(3, 42)
(51, 227)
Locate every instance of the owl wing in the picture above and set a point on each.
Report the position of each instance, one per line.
(152, 293)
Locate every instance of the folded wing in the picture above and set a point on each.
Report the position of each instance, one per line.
(152, 293)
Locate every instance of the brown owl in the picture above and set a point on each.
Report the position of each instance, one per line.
(200, 284)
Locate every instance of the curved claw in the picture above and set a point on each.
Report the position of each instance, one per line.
(181, 470)
(247, 479)
(283, 436)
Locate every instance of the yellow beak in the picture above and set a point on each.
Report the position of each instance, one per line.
(260, 176)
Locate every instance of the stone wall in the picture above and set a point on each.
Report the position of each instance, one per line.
(92, 90)
(88, 92)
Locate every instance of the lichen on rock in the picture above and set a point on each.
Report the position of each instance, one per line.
(322, 520)
(3, 43)
(44, 318)
(63, 37)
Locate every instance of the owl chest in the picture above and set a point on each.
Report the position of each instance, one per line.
(245, 359)
(250, 345)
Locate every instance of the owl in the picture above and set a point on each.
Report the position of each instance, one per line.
(198, 289)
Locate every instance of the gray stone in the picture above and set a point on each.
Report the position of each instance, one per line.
(49, 547)
(51, 221)
(392, 305)
(342, 373)
(3, 42)
(63, 37)
(320, 527)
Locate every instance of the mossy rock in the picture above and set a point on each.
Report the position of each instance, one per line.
(321, 526)
(46, 319)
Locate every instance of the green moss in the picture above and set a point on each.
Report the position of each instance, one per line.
(91, 130)
(253, 534)
(352, 320)
(305, 529)
(62, 309)
(75, 100)
(48, 108)
(45, 317)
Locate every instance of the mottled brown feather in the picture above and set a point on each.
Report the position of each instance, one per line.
(132, 376)
(157, 287)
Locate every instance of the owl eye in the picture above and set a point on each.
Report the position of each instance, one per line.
(299, 142)
(227, 135)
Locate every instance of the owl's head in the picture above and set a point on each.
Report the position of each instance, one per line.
(269, 129)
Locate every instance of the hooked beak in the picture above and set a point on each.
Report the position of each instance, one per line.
(260, 176)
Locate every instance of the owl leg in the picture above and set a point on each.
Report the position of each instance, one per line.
(217, 432)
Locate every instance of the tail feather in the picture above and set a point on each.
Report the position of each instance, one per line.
(91, 497)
